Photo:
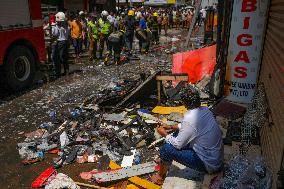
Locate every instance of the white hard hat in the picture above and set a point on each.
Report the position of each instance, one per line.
(81, 13)
(104, 13)
(60, 17)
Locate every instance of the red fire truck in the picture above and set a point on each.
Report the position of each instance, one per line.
(22, 46)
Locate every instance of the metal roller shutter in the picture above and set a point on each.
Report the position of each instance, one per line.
(14, 13)
(74, 5)
(272, 75)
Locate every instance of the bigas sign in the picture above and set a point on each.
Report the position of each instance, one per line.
(245, 49)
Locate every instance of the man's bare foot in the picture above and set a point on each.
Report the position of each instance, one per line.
(157, 179)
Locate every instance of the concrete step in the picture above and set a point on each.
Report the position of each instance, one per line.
(182, 177)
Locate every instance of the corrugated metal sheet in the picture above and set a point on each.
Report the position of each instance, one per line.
(272, 75)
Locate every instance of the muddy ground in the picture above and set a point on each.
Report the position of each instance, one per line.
(23, 112)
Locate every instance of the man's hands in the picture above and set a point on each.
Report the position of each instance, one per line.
(162, 129)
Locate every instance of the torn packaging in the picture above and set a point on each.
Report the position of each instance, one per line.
(62, 181)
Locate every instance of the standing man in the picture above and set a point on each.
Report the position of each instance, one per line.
(171, 19)
(105, 29)
(189, 19)
(76, 35)
(61, 32)
(84, 23)
(159, 19)
(155, 28)
(198, 143)
(165, 23)
(93, 37)
(130, 27)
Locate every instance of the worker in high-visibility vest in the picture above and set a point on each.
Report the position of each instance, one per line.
(105, 28)
(93, 36)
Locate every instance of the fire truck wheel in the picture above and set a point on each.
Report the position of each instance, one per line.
(20, 68)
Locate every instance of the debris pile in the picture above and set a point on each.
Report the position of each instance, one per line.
(243, 173)
(87, 133)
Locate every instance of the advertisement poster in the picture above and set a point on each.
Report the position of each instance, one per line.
(245, 49)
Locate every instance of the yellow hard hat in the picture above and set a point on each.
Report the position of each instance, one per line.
(131, 13)
(155, 14)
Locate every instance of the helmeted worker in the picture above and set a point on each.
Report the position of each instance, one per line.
(93, 36)
(60, 32)
(105, 29)
(154, 28)
(130, 27)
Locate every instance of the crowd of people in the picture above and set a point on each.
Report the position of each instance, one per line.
(114, 30)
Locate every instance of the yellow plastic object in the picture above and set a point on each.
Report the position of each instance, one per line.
(155, 14)
(169, 110)
(136, 180)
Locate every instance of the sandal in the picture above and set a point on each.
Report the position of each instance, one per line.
(59, 162)
(157, 179)
(32, 161)
(72, 155)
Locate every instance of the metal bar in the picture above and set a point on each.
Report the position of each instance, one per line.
(136, 180)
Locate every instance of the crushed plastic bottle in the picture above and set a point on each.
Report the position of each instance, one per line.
(52, 115)
(76, 113)
(44, 125)
(137, 158)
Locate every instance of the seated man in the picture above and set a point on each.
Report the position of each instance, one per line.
(197, 143)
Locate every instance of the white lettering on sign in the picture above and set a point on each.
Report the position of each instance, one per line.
(245, 49)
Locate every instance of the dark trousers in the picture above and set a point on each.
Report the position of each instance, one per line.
(129, 36)
(77, 44)
(93, 49)
(116, 48)
(103, 40)
(62, 58)
(86, 43)
(186, 156)
(54, 54)
(155, 36)
(159, 28)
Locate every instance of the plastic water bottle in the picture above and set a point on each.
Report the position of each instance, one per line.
(137, 158)
(52, 115)
(75, 113)
(44, 126)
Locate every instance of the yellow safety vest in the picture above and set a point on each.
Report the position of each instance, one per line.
(104, 26)
(94, 29)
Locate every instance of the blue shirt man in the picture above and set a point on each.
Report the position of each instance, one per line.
(142, 24)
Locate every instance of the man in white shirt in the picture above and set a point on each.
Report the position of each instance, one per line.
(197, 144)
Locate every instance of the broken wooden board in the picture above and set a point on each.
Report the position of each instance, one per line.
(147, 88)
(129, 186)
(126, 172)
(172, 78)
(136, 180)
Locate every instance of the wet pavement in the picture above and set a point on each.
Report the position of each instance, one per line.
(23, 112)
